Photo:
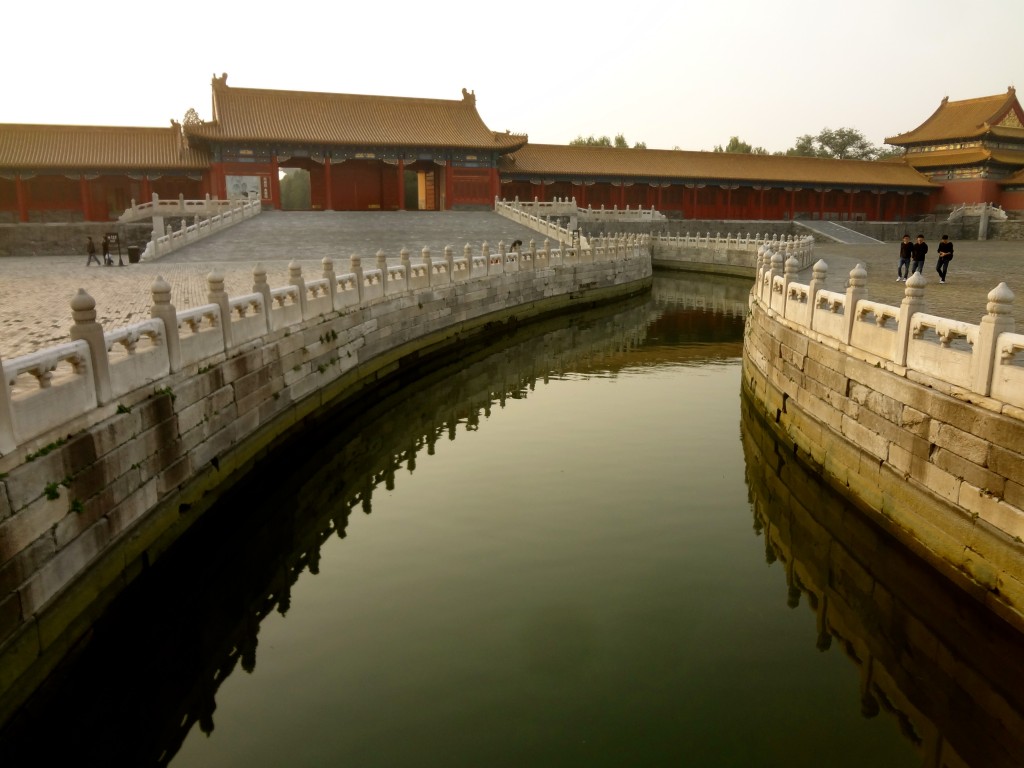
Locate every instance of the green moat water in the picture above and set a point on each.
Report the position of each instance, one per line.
(576, 549)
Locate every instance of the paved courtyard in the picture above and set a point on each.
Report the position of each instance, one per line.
(35, 292)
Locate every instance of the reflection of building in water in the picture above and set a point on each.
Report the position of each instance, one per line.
(949, 670)
(155, 664)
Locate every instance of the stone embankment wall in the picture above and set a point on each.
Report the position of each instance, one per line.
(67, 239)
(727, 254)
(116, 442)
(918, 418)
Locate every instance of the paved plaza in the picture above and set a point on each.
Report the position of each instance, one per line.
(35, 292)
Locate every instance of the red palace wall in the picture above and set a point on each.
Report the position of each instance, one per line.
(969, 191)
(472, 186)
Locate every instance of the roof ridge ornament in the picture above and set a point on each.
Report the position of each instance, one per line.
(221, 81)
(467, 96)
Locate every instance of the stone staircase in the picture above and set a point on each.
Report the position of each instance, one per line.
(837, 233)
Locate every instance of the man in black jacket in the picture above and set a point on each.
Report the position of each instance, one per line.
(945, 255)
(917, 254)
(903, 270)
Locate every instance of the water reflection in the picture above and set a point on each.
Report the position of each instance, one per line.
(151, 671)
(950, 672)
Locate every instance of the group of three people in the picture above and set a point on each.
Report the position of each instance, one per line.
(912, 257)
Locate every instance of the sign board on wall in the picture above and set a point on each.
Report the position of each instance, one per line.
(247, 187)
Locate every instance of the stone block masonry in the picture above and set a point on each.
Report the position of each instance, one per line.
(89, 497)
(918, 419)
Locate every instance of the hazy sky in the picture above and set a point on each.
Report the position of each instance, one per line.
(668, 73)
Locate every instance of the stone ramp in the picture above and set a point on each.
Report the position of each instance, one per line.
(838, 233)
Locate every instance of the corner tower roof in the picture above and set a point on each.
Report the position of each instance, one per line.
(251, 114)
(1000, 115)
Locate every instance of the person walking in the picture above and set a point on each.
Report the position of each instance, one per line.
(917, 253)
(903, 270)
(106, 253)
(90, 248)
(945, 256)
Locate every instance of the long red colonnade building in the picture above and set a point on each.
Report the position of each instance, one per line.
(395, 153)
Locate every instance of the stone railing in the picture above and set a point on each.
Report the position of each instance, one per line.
(985, 360)
(567, 207)
(113, 443)
(534, 219)
(231, 212)
(915, 416)
(733, 254)
(209, 206)
(52, 386)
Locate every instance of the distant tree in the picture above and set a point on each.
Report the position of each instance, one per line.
(840, 144)
(737, 146)
(603, 141)
(590, 141)
(295, 190)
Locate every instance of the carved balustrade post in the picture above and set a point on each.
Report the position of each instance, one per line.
(855, 292)
(790, 269)
(327, 266)
(533, 254)
(428, 264)
(547, 253)
(467, 254)
(7, 441)
(987, 355)
(819, 274)
(775, 271)
(382, 265)
(163, 310)
(216, 294)
(449, 260)
(485, 249)
(85, 328)
(295, 278)
(403, 256)
(913, 301)
(356, 267)
(262, 287)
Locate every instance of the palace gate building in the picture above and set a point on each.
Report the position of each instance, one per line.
(394, 153)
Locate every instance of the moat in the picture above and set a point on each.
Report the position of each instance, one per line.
(577, 547)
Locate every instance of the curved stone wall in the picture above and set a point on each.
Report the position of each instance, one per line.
(116, 442)
(919, 419)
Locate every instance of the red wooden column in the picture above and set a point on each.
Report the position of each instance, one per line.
(761, 202)
(658, 198)
(821, 204)
(495, 185)
(83, 193)
(878, 205)
(275, 184)
(728, 202)
(401, 185)
(622, 195)
(328, 203)
(22, 198)
(903, 215)
(147, 190)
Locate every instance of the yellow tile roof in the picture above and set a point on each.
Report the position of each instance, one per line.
(542, 160)
(1014, 181)
(966, 156)
(250, 114)
(963, 119)
(90, 147)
